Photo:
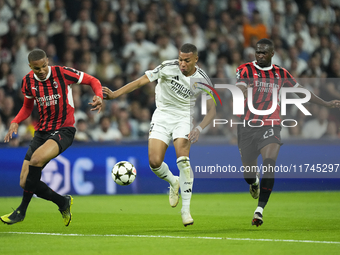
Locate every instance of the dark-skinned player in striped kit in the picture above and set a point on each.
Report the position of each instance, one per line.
(262, 136)
(51, 88)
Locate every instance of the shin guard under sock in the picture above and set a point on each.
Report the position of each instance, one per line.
(164, 173)
(186, 180)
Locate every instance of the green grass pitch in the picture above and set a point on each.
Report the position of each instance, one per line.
(294, 223)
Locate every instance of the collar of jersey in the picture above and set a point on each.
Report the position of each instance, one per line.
(47, 77)
(193, 73)
(262, 68)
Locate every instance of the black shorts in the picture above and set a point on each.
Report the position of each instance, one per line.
(64, 138)
(252, 139)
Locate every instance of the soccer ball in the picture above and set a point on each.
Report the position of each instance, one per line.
(123, 173)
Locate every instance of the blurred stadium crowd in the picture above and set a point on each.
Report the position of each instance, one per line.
(118, 40)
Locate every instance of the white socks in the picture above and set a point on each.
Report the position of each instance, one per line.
(164, 173)
(259, 210)
(185, 180)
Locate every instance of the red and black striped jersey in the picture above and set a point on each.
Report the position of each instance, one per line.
(53, 96)
(263, 80)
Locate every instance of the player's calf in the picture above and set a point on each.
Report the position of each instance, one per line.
(186, 180)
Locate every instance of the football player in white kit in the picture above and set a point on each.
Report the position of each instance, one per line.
(172, 119)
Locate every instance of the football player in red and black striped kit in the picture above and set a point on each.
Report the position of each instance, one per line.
(51, 88)
(263, 76)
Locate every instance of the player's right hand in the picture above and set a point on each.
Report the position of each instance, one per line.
(333, 104)
(108, 93)
(13, 128)
(194, 135)
(245, 92)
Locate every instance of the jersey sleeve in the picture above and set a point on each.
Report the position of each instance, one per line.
(289, 80)
(25, 90)
(206, 90)
(72, 75)
(155, 73)
(242, 76)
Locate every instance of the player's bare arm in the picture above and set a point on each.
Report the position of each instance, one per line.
(97, 103)
(243, 88)
(317, 100)
(195, 133)
(125, 89)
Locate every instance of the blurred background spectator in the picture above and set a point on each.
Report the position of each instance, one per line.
(118, 40)
(105, 132)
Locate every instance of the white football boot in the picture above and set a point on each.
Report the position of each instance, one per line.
(186, 218)
(255, 189)
(173, 193)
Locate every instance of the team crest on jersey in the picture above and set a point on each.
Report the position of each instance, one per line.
(55, 84)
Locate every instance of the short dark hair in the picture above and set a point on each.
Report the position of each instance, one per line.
(36, 54)
(188, 47)
(102, 118)
(266, 41)
(80, 121)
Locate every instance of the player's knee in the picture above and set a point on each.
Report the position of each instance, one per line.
(155, 162)
(36, 161)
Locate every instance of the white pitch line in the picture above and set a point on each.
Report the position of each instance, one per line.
(178, 237)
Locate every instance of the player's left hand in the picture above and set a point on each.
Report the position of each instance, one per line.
(97, 103)
(194, 135)
(333, 104)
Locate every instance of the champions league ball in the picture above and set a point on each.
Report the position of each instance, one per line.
(123, 173)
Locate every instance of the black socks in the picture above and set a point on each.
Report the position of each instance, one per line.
(267, 182)
(250, 177)
(45, 192)
(35, 186)
(32, 179)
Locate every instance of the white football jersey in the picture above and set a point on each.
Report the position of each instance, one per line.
(176, 93)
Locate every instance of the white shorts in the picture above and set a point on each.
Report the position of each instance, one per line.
(165, 126)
